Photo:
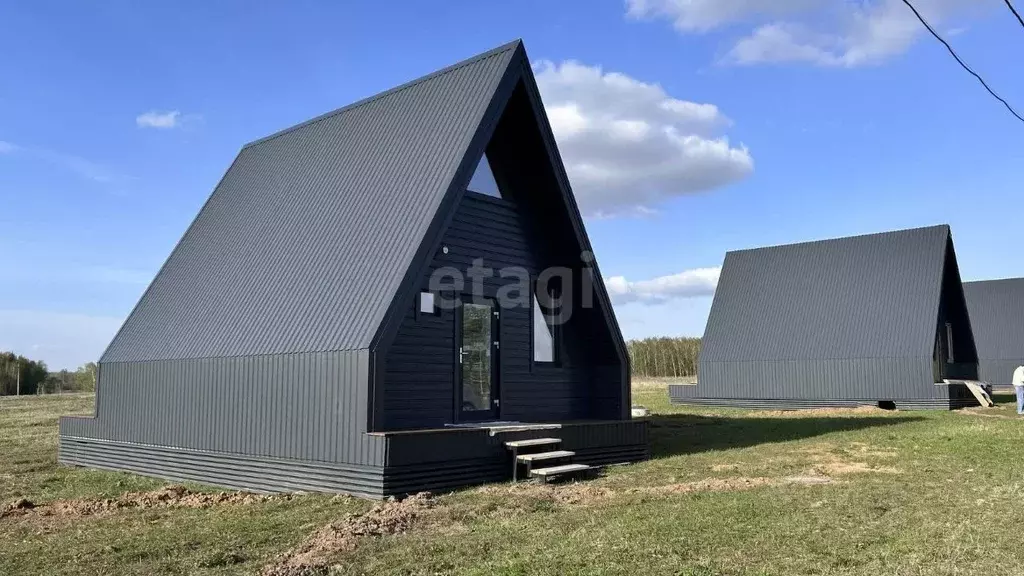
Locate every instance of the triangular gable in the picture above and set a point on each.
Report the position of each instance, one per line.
(515, 148)
(305, 241)
(954, 322)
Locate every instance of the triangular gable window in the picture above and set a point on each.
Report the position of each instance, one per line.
(483, 181)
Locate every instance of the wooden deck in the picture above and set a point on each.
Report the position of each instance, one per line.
(443, 458)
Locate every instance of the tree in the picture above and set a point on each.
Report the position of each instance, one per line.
(85, 378)
(51, 385)
(81, 380)
(664, 357)
(19, 375)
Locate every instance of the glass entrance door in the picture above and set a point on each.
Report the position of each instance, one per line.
(477, 358)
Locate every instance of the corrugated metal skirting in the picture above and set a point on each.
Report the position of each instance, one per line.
(942, 398)
(429, 460)
(228, 470)
(878, 378)
(308, 407)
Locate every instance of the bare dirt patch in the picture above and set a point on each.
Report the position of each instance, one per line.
(173, 496)
(867, 450)
(825, 460)
(979, 411)
(709, 485)
(808, 480)
(384, 519)
(320, 550)
(735, 484)
(583, 494)
(570, 493)
(19, 506)
(839, 468)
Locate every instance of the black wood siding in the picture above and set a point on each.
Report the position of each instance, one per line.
(420, 375)
(953, 309)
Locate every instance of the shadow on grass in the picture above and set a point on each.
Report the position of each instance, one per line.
(674, 434)
(1001, 397)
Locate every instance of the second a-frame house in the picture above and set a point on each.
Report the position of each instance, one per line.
(396, 296)
(875, 320)
(997, 318)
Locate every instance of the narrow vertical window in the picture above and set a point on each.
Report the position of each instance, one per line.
(544, 340)
(949, 343)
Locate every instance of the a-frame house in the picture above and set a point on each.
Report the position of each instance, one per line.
(876, 320)
(376, 302)
(997, 318)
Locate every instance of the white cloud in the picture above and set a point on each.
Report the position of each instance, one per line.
(154, 119)
(782, 42)
(62, 340)
(869, 35)
(703, 15)
(688, 284)
(628, 144)
(7, 147)
(823, 33)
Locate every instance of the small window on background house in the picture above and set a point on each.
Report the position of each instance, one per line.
(483, 181)
(949, 343)
(543, 335)
(427, 303)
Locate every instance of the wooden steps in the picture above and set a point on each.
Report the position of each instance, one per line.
(545, 473)
(977, 389)
(525, 453)
(532, 442)
(555, 454)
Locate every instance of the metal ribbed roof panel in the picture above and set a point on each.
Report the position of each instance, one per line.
(873, 296)
(303, 244)
(997, 318)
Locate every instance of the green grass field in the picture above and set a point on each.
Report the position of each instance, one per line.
(726, 492)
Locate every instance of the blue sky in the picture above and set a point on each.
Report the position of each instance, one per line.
(810, 120)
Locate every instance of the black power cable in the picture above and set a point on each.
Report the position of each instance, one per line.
(961, 62)
(1014, 10)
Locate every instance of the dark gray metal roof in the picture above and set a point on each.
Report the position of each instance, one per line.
(873, 296)
(304, 242)
(997, 317)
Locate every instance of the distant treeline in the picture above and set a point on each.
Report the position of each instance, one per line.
(664, 357)
(20, 375)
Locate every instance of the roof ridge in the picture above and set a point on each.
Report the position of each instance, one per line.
(437, 73)
(841, 238)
